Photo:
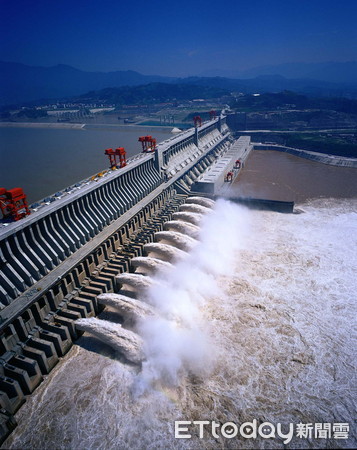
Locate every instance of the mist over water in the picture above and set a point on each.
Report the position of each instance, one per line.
(256, 322)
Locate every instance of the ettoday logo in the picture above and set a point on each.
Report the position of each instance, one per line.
(229, 430)
(266, 430)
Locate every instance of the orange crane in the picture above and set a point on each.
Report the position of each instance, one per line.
(116, 157)
(148, 143)
(13, 204)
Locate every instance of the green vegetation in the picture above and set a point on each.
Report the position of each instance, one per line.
(341, 143)
(152, 93)
(31, 113)
(333, 145)
(291, 100)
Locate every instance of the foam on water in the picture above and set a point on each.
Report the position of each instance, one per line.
(179, 240)
(280, 327)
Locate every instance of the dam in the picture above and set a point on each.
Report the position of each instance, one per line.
(55, 262)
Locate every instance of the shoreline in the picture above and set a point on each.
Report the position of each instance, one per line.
(324, 158)
(78, 126)
(82, 126)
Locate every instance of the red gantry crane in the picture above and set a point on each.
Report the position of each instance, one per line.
(148, 143)
(212, 114)
(116, 157)
(13, 204)
(197, 121)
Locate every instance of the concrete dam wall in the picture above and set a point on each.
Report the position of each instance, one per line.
(55, 262)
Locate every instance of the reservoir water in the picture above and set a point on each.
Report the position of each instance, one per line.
(45, 160)
(258, 324)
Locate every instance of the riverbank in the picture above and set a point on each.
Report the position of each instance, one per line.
(62, 125)
(323, 158)
(88, 126)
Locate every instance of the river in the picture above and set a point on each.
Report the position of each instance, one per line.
(45, 160)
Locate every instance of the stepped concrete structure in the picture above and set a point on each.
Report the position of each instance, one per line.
(56, 261)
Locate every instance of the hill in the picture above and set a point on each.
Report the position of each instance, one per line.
(152, 93)
(20, 83)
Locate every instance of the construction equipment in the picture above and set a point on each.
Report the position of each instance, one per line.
(229, 177)
(116, 157)
(197, 121)
(148, 143)
(212, 114)
(13, 204)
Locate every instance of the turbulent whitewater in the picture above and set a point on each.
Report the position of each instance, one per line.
(176, 239)
(128, 307)
(125, 341)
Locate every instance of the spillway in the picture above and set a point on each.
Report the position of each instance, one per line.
(207, 202)
(194, 208)
(124, 341)
(128, 307)
(189, 229)
(164, 251)
(179, 240)
(149, 265)
(134, 282)
(186, 216)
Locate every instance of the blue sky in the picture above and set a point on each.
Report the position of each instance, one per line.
(176, 38)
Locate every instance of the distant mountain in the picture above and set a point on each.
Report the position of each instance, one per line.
(152, 93)
(20, 83)
(278, 83)
(334, 72)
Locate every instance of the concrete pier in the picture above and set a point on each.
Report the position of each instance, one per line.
(213, 180)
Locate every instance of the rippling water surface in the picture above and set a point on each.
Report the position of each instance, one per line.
(280, 176)
(279, 326)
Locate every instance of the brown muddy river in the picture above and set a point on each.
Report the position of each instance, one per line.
(280, 176)
(257, 324)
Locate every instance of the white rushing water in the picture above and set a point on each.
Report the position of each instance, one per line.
(147, 265)
(260, 326)
(194, 208)
(128, 307)
(189, 217)
(179, 240)
(122, 340)
(207, 202)
(189, 229)
(164, 251)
